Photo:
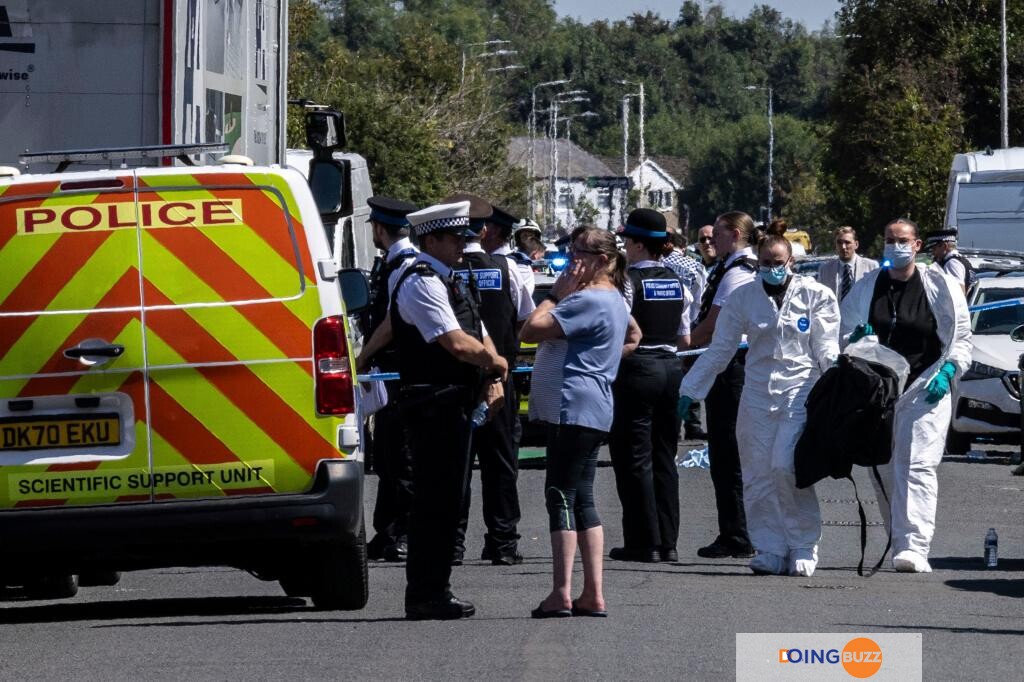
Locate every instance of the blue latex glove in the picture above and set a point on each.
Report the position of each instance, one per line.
(683, 406)
(938, 387)
(860, 331)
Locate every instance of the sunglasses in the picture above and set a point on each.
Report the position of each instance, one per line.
(705, 240)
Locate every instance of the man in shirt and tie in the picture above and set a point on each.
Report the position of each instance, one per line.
(841, 274)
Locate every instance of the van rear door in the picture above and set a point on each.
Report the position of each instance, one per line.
(72, 387)
(230, 298)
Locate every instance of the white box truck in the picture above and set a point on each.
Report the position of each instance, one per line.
(985, 199)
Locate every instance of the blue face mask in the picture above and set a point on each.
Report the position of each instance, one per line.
(774, 276)
(898, 255)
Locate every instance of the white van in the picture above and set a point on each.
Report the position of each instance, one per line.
(985, 199)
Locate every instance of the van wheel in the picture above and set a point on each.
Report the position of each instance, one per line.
(99, 578)
(52, 587)
(957, 443)
(339, 578)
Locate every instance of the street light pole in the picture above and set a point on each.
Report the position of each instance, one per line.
(771, 142)
(642, 152)
(1003, 97)
(532, 165)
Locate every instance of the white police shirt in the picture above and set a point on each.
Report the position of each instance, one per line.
(525, 271)
(735, 278)
(396, 248)
(423, 301)
(522, 300)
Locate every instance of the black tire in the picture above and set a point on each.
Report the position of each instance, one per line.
(294, 584)
(339, 577)
(99, 578)
(957, 443)
(53, 587)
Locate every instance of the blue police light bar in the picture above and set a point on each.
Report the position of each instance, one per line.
(558, 263)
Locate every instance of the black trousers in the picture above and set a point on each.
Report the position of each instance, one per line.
(723, 404)
(642, 444)
(392, 460)
(496, 448)
(439, 439)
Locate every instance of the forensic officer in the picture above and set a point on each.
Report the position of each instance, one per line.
(645, 428)
(391, 458)
(504, 302)
(448, 364)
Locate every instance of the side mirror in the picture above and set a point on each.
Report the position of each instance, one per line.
(1017, 334)
(325, 131)
(326, 181)
(355, 290)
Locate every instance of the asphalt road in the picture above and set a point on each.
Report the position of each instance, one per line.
(667, 620)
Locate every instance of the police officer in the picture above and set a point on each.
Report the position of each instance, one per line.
(734, 234)
(447, 364)
(526, 236)
(390, 449)
(645, 429)
(942, 244)
(504, 302)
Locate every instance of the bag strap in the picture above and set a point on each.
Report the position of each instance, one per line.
(864, 527)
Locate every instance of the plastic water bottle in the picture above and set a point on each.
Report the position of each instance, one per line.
(479, 415)
(991, 548)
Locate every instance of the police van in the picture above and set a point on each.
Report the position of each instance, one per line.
(176, 381)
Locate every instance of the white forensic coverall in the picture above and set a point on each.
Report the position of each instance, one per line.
(789, 349)
(919, 428)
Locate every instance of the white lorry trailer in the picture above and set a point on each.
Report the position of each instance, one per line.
(109, 74)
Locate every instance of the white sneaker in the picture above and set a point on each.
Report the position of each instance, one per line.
(802, 562)
(768, 564)
(908, 561)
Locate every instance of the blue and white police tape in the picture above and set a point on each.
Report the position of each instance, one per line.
(393, 376)
(996, 305)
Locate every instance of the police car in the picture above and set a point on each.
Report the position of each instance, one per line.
(175, 382)
(986, 400)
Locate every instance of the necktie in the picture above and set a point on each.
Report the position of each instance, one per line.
(844, 286)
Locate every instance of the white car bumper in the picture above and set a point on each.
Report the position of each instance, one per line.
(987, 406)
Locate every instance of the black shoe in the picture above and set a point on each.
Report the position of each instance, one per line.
(668, 554)
(457, 556)
(397, 552)
(721, 550)
(512, 558)
(645, 556)
(445, 608)
(589, 613)
(696, 433)
(375, 547)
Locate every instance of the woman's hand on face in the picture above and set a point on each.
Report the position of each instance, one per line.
(570, 281)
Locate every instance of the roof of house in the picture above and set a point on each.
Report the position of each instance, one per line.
(573, 161)
(677, 167)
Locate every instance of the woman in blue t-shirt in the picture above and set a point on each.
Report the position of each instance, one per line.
(582, 328)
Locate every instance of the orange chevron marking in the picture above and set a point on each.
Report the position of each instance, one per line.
(185, 433)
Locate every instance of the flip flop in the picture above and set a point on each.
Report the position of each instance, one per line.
(539, 612)
(580, 611)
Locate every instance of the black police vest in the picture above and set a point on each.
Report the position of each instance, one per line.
(496, 310)
(970, 277)
(420, 362)
(386, 358)
(658, 304)
(379, 294)
(715, 279)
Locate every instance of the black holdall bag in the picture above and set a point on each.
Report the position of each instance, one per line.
(849, 422)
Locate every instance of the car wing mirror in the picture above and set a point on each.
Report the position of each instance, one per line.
(1018, 334)
(355, 290)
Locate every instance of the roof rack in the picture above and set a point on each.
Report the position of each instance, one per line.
(65, 158)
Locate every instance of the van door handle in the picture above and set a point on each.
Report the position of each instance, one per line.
(94, 352)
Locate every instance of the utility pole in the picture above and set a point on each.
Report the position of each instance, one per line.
(1004, 114)
(771, 142)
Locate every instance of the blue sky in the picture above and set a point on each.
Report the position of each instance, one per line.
(813, 13)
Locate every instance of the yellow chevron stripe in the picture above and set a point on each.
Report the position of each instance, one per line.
(223, 419)
(18, 256)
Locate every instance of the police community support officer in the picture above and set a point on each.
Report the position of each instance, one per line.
(504, 302)
(390, 449)
(447, 365)
(645, 430)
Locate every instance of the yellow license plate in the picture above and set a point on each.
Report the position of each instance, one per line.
(59, 431)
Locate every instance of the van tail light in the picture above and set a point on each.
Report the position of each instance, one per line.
(331, 370)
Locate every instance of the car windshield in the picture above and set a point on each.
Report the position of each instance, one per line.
(1000, 320)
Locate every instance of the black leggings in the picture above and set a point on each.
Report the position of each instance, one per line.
(569, 484)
